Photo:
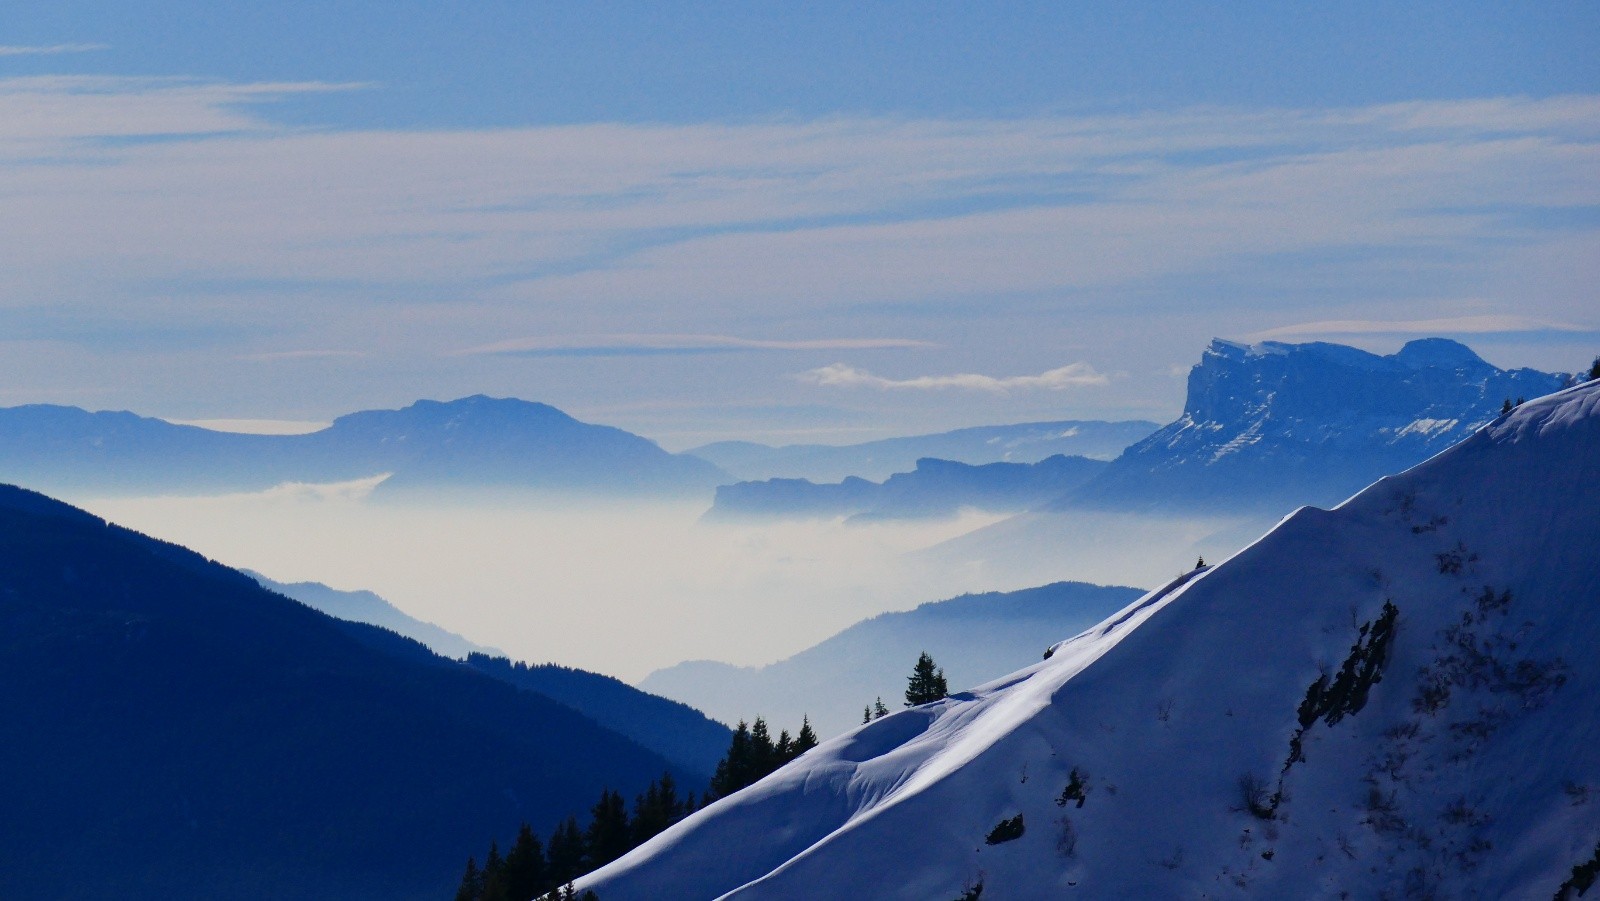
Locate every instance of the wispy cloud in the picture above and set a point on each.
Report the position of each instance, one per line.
(271, 356)
(48, 49)
(184, 199)
(629, 345)
(1073, 375)
(1455, 325)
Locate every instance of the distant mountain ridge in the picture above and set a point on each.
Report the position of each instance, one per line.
(973, 637)
(1027, 442)
(367, 607)
(933, 488)
(474, 442)
(174, 730)
(1276, 425)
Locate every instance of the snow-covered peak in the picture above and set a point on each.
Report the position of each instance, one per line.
(1395, 697)
(1441, 352)
(1275, 425)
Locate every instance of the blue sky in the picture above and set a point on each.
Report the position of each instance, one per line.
(713, 220)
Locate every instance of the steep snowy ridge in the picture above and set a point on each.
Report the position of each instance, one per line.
(1395, 698)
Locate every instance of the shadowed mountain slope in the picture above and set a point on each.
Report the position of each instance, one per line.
(176, 731)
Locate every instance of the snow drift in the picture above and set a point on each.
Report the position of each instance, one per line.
(1396, 698)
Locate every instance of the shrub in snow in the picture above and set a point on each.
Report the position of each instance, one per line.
(1077, 789)
(1006, 831)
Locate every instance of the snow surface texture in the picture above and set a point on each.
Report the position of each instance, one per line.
(1225, 737)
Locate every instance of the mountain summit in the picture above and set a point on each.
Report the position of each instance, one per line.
(1275, 425)
(1395, 698)
(474, 442)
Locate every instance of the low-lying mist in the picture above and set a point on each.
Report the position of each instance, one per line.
(622, 588)
(629, 587)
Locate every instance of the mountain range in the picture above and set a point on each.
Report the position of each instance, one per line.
(474, 443)
(367, 607)
(973, 638)
(173, 729)
(1027, 442)
(1273, 426)
(933, 488)
(1265, 429)
(1395, 698)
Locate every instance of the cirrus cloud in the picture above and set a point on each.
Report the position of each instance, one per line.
(48, 49)
(635, 345)
(1455, 325)
(1073, 375)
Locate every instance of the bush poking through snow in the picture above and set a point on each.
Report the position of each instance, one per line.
(1255, 797)
(972, 892)
(1006, 831)
(1347, 692)
(1077, 789)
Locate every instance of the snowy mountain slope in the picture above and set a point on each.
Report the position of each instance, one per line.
(1396, 698)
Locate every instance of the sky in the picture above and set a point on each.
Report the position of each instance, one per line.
(782, 222)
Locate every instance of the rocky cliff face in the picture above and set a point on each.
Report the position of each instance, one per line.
(1280, 425)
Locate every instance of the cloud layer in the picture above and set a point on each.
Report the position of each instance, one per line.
(629, 345)
(1456, 325)
(47, 49)
(1073, 375)
(168, 236)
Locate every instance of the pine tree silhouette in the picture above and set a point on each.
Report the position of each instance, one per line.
(926, 683)
(525, 866)
(471, 882)
(607, 837)
(806, 739)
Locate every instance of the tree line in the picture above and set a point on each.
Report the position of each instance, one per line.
(539, 870)
(545, 872)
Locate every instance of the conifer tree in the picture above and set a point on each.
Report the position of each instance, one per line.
(1594, 370)
(471, 882)
(879, 711)
(525, 866)
(656, 809)
(806, 740)
(763, 757)
(494, 876)
(926, 684)
(566, 852)
(733, 770)
(608, 835)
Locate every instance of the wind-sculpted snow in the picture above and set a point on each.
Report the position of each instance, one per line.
(1396, 698)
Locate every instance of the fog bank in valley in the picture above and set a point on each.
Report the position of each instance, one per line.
(623, 588)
